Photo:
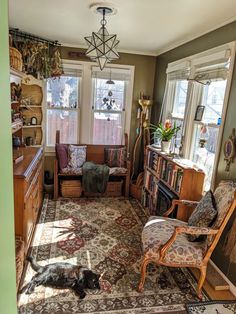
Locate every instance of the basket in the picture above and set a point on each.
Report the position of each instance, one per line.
(136, 187)
(71, 188)
(15, 59)
(114, 189)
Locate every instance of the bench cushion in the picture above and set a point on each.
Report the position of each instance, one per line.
(115, 171)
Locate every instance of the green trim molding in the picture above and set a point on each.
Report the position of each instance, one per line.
(7, 239)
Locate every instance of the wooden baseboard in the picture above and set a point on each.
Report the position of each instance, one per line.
(215, 279)
(212, 293)
(232, 287)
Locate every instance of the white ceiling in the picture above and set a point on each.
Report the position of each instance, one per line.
(143, 26)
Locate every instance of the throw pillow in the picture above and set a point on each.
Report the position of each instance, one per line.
(62, 155)
(115, 157)
(203, 215)
(77, 156)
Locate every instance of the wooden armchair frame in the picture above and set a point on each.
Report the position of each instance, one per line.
(216, 233)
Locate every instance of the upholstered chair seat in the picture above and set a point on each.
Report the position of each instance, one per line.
(158, 231)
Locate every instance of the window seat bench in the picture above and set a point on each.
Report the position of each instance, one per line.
(95, 154)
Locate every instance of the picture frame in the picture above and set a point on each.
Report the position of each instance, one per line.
(230, 149)
(33, 121)
(199, 113)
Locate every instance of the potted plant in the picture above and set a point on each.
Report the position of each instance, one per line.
(164, 133)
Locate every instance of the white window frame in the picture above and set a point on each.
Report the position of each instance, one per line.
(85, 113)
(125, 122)
(192, 62)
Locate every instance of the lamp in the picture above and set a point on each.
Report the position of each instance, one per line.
(101, 45)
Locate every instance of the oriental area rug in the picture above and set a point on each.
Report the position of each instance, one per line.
(103, 234)
(212, 307)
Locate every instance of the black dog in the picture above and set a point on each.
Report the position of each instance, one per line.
(62, 275)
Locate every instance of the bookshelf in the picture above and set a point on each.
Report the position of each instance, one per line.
(179, 176)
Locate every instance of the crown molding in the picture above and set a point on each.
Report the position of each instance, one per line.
(192, 37)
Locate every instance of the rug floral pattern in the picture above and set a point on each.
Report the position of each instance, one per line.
(103, 234)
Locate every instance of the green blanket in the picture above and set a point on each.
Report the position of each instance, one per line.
(95, 177)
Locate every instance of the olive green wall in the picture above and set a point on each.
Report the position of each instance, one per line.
(143, 82)
(7, 245)
(216, 38)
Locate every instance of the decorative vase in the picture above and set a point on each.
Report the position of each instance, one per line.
(165, 146)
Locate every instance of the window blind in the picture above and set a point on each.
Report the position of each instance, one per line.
(111, 73)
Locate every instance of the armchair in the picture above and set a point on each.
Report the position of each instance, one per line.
(165, 240)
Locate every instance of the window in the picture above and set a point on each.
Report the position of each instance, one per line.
(62, 109)
(178, 111)
(198, 80)
(205, 133)
(85, 107)
(109, 106)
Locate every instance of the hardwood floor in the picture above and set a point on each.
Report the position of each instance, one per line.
(214, 294)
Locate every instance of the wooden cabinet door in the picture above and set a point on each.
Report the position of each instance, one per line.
(28, 220)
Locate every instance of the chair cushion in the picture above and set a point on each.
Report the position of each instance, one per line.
(62, 155)
(203, 215)
(115, 157)
(158, 231)
(117, 171)
(77, 156)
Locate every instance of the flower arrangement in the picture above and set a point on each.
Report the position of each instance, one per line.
(165, 131)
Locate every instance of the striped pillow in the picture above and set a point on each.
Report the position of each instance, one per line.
(115, 157)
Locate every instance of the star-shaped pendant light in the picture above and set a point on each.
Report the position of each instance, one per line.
(101, 45)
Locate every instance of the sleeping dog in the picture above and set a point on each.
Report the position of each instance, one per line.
(62, 275)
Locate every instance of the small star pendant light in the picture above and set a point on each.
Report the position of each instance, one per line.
(101, 45)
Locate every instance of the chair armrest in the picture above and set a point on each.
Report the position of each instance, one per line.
(179, 202)
(187, 230)
(196, 230)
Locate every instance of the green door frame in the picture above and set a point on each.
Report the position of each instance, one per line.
(7, 241)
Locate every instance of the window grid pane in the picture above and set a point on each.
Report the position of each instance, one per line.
(108, 112)
(213, 100)
(101, 91)
(65, 121)
(63, 92)
(107, 128)
(180, 98)
(204, 156)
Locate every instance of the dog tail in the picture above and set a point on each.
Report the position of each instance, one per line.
(33, 263)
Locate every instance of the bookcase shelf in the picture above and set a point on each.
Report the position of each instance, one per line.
(180, 176)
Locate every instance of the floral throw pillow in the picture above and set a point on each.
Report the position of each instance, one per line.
(115, 157)
(77, 156)
(203, 215)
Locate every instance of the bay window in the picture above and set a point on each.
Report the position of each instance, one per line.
(195, 100)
